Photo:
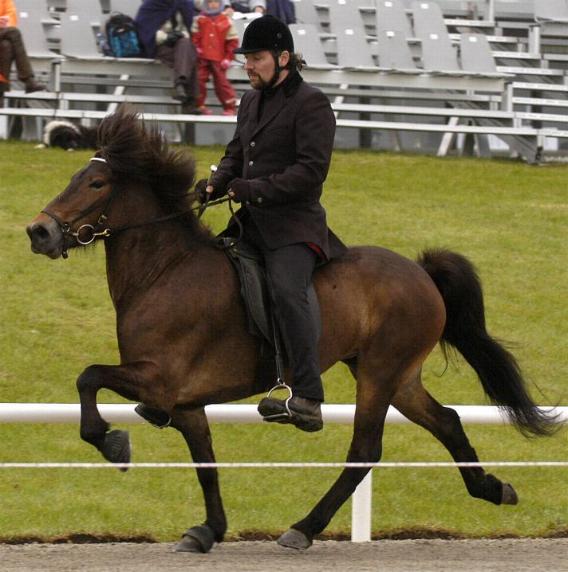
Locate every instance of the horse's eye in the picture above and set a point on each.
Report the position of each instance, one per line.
(97, 185)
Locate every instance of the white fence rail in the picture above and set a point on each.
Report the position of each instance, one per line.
(245, 413)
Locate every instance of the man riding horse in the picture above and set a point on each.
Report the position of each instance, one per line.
(275, 166)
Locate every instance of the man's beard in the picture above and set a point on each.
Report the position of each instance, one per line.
(257, 82)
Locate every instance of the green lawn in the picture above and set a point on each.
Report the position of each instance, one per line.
(508, 218)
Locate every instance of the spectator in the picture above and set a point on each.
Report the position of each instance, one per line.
(163, 28)
(215, 39)
(282, 9)
(12, 49)
(247, 6)
(242, 6)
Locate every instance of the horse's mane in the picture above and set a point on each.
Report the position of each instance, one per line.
(134, 151)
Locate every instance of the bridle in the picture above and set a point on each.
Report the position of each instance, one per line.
(87, 233)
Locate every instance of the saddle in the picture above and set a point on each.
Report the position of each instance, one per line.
(254, 289)
(248, 263)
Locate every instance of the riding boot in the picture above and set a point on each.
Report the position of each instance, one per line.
(305, 414)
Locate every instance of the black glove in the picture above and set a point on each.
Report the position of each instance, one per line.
(242, 190)
(172, 38)
(202, 194)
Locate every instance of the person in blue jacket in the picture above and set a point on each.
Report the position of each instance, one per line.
(163, 28)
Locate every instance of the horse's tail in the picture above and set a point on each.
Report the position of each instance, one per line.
(497, 369)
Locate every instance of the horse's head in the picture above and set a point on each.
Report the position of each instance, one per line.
(76, 216)
(130, 158)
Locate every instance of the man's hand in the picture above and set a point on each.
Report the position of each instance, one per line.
(239, 190)
(173, 37)
(204, 190)
(4, 21)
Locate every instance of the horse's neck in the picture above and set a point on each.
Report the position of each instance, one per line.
(137, 257)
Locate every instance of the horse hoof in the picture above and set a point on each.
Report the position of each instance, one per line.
(508, 495)
(196, 539)
(293, 538)
(116, 448)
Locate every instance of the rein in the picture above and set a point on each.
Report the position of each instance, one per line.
(92, 232)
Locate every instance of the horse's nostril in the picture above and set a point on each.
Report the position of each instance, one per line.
(40, 232)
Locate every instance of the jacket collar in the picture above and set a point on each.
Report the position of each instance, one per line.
(275, 99)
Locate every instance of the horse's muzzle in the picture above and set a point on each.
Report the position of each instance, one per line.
(46, 237)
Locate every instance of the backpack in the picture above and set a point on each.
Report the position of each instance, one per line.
(122, 36)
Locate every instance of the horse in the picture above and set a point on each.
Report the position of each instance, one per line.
(180, 314)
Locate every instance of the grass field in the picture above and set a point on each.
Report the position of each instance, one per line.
(508, 218)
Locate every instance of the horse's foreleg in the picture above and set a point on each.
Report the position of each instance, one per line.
(366, 447)
(126, 380)
(193, 425)
(444, 423)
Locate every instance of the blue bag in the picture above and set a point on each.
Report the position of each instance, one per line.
(122, 36)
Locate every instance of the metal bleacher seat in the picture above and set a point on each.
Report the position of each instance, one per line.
(78, 45)
(552, 18)
(394, 52)
(353, 51)
(128, 7)
(476, 55)
(306, 12)
(391, 16)
(551, 11)
(34, 21)
(345, 14)
(346, 24)
(89, 9)
(438, 53)
(307, 42)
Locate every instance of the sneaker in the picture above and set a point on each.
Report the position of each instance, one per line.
(229, 111)
(32, 85)
(205, 110)
(305, 414)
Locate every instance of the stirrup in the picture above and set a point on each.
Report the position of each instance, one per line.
(287, 414)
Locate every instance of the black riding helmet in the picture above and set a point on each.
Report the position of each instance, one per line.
(266, 33)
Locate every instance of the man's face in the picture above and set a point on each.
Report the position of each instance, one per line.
(260, 68)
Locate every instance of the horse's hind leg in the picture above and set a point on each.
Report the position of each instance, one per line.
(193, 425)
(414, 402)
(366, 446)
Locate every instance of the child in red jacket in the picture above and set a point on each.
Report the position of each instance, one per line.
(215, 40)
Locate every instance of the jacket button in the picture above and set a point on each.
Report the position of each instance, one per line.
(251, 163)
(259, 200)
(247, 202)
(252, 143)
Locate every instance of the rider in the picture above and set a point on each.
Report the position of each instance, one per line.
(275, 166)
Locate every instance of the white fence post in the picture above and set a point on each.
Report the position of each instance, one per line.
(361, 510)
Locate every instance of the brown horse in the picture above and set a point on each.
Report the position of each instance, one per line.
(179, 315)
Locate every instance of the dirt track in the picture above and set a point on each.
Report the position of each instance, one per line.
(387, 555)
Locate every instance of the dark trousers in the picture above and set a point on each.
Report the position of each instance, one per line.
(289, 271)
(12, 49)
(182, 58)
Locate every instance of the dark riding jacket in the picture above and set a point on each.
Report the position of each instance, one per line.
(280, 163)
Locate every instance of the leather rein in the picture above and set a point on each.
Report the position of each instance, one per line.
(87, 233)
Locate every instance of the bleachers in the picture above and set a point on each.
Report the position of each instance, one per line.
(411, 72)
